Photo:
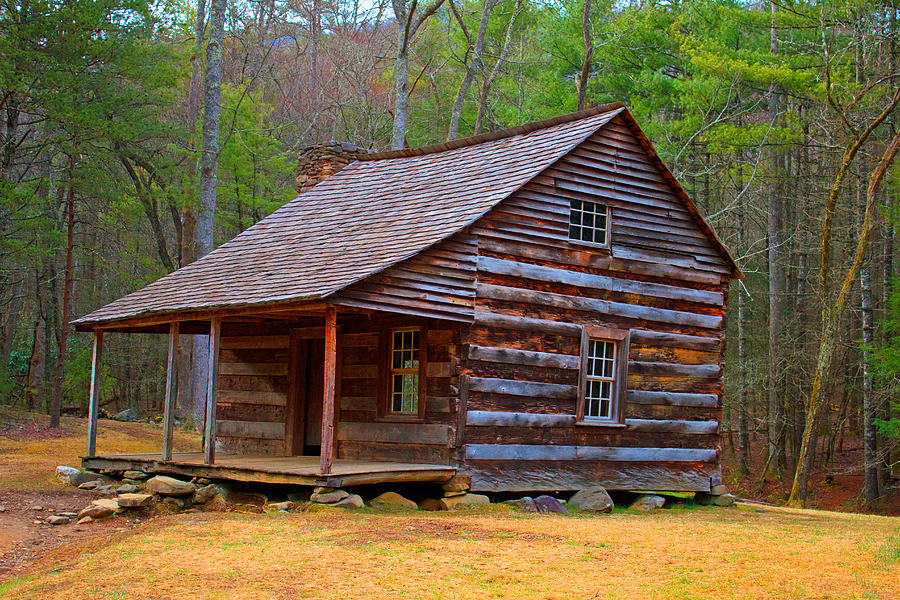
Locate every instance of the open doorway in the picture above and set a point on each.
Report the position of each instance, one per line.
(308, 389)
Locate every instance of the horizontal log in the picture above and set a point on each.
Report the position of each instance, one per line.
(524, 357)
(529, 324)
(404, 453)
(486, 418)
(251, 397)
(497, 266)
(250, 429)
(675, 340)
(663, 369)
(482, 418)
(239, 368)
(672, 426)
(308, 333)
(359, 371)
(362, 403)
(540, 452)
(252, 342)
(394, 432)
(369, 340)
(438, 369)
(439, 404)
(672, 398)
(596, 305)
(515, 387)
(530, 476)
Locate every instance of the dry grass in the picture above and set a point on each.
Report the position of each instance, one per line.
(492, 553)
(30, 464)
(688, 552)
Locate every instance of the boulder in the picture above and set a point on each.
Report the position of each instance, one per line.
(204, 494)
(430, 504)
(109, 503)
(129, 415)
(329, 497)
(174, 504)
(127, 488)
(169, 486)
(132, 500)
(322, 490)
(550, 505)
(458, 483)
(277, 506)
(525, 504)
(135, 475)
(714, 499)
(594, 499)
(78, 479)
(64, 474)
(59, 520)
(94, 512)
(648, 502)
(37, 508)
(393, 499)
(450, 494)
(351, 501)
(464, 501)
(84, 520)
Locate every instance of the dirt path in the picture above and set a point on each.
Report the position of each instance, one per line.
(25, 537)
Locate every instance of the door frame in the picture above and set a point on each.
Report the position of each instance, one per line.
(295, 408)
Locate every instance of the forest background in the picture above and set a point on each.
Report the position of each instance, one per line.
(137, 135)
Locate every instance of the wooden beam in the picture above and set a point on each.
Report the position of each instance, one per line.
(327, 449)
(542, 452)
(528, 324)
(396, 433)
(530, 358)
(515, 387)
(94, 402)
(212, 387)
(171, 392)
(672, 398)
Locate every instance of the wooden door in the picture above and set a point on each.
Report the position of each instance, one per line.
(315, 387)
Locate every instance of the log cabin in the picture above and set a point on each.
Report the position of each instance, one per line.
(540, 308)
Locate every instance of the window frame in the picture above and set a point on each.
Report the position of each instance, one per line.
(385, 387)
(606, 244)
(621, 338)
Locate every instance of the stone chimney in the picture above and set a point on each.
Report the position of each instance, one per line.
(319, 162)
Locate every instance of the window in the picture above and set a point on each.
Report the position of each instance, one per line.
(404, 374)
(604, 360)
(600, 379)
(589, 222)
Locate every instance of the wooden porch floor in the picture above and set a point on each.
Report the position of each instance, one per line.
(296, 470)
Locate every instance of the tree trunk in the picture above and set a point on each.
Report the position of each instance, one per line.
(209, 170)
(776, 285)
(831, 315)
(743, 416)
(488, 81)
(588, 53)
(401, 96)
(869, 433)
(476, 62)
(63, 339)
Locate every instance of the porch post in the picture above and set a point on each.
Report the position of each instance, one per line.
(94, 402)
(212, 388)
(327, 448)
(171, 390)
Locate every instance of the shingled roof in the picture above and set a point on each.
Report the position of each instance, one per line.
(372, 214)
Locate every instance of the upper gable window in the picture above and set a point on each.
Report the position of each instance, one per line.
(589, 222)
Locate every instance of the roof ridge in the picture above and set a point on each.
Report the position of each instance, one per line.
(492, 135)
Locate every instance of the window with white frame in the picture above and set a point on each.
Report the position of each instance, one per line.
(589, 222)
(404, 374)
(600, 380)
(601, 384)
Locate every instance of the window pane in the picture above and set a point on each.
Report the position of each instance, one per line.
(588, 221)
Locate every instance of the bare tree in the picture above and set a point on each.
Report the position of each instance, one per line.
(409, 19)
(488, 80)
(472, 64)
(588, 53)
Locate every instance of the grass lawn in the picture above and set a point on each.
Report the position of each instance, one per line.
(687, 552)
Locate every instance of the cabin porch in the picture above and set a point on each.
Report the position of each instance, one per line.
(302, 398)
(290, 470)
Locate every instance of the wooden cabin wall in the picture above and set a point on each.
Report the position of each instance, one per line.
(439, 282)
(360, 434)
(662, 279)
(253, 390)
